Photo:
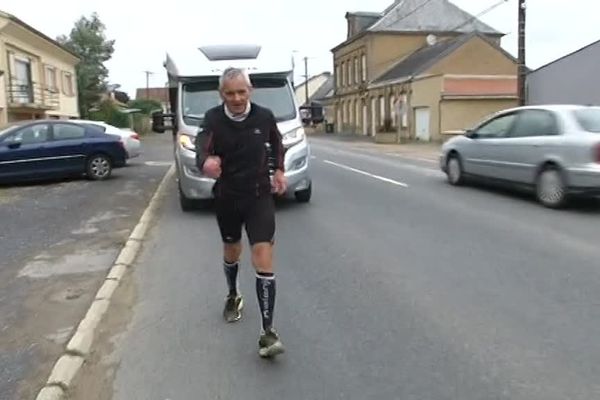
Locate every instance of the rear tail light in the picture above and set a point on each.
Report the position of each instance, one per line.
(135, 136)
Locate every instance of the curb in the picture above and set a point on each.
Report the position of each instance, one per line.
(80, 345)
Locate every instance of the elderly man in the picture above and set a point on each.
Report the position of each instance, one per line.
(232, 148)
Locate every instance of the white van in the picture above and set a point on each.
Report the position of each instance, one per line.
(193, 89)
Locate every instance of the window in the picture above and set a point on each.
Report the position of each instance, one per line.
(67, 84)
(381, 110)
(21, 83)
(364, 67)
(343, 74)
(273, 93)
(348, 77)
(535, 123)
(356, 113)
(356, 70)
(393, 110)
(50, 78)
(350, 72)
(338, 75)
(497, 127)
(68, 131)
(588, 119)
(29, 135)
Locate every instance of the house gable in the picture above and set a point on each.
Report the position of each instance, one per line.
(476, 56)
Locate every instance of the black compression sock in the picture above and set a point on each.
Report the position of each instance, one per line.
(231, 273)
(265, 292)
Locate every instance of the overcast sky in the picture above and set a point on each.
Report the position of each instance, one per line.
(144, 32)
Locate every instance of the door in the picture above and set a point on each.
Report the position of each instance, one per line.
(24, 153)
(373, 116)
(68, 147)
(422, 118)
(484, 153)
(365, 119)
(534, 134)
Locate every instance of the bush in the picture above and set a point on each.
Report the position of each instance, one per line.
(110, 113)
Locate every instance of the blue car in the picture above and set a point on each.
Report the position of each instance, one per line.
(55, 149)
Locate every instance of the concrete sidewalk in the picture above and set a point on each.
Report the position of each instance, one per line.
(418, 150)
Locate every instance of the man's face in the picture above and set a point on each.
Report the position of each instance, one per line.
(236, 93)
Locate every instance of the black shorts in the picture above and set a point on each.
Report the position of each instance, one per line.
(256, 214)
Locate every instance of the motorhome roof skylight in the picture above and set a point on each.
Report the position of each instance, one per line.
(230, 52)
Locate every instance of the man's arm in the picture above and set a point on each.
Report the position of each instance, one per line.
(206, 160)
(276, 145)
(204, 145)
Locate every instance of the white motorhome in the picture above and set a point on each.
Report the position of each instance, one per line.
(193, 89)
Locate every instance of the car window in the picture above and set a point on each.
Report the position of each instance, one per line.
(29, 135)
(497, 127)
(535, 123)
(588, 119)
(67, 131)
(96, 126)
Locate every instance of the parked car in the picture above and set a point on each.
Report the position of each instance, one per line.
(52, 148)
(552, 149)
(131, 139)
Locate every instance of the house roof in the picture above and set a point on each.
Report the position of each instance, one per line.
(312, 78)
(30, 28)
(427, 56)
(160, 94)
(324, 90)
(597, 42)
(421, 59)
(429, 16)
(424, 16)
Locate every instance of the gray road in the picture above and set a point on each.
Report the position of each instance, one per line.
(57, 241)
(391, 285)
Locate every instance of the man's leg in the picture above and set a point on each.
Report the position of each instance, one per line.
(260, 226)
(230, 226)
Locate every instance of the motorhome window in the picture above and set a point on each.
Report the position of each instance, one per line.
(199, 97)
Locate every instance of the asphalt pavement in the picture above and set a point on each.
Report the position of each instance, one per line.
(391, 284)
(57, 241)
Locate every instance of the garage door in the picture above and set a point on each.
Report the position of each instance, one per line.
(422, 118)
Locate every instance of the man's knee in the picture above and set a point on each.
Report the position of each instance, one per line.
(232, 251)
(262, 254)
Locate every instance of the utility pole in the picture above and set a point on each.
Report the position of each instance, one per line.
(306, 78)
(522, 61)
(148, 73)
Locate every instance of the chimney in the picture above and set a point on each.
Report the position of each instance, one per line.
(360, 21)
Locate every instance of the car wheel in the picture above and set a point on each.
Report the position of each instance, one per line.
(551, 190)
(454, 170)
(303, 196)
(99, 167)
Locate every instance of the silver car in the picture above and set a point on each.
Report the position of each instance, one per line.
(553, 149)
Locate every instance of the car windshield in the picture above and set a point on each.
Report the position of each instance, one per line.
(6, 129)
(589, 119)
(273, 93)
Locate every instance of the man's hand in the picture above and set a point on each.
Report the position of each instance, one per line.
(279, 182)
(212, 167)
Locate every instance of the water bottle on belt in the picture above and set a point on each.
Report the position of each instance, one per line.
(270, 163)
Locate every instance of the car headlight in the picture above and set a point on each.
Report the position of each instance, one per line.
(293, 137)
(187, 142)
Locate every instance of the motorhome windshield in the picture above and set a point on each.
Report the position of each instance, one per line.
(199, 97)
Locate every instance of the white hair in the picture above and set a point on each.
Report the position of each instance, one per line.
(232, 73)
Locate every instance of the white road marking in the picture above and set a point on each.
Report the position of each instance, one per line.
(313, 157)
(358, 171)
(158, 163)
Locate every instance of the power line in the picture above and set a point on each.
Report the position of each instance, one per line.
(481, 14)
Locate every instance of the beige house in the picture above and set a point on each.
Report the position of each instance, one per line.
(423, 68)
(38, 74)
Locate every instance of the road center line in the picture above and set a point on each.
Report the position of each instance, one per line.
(358, 171)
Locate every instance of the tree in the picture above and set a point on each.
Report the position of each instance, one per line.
(88, 41)
(147, 106)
